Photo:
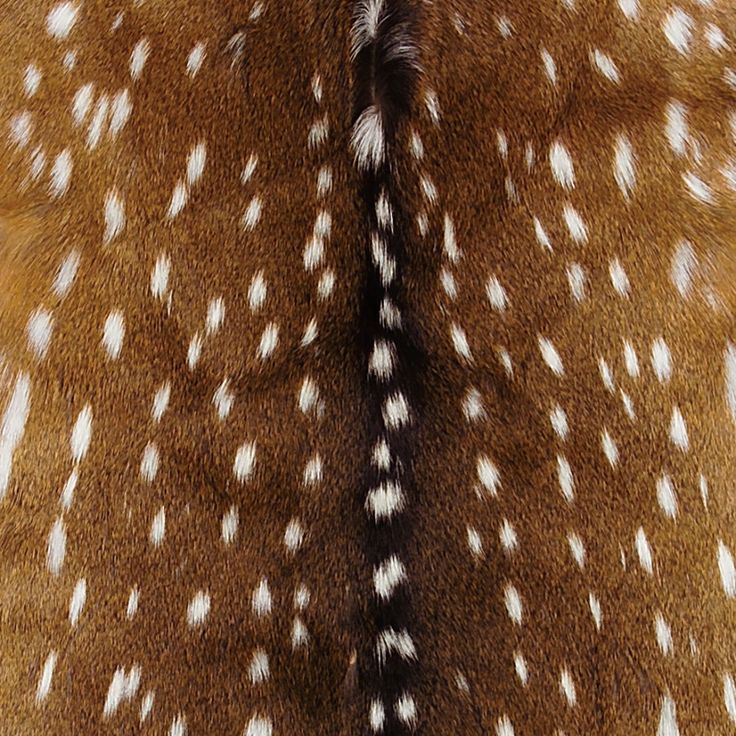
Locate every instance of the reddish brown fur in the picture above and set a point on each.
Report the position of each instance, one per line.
(465, 681)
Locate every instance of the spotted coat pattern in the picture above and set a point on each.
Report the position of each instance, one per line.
(367, 368)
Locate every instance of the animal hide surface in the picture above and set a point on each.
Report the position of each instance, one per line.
(367, 368)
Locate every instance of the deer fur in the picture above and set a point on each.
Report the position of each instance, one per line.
(367, 368)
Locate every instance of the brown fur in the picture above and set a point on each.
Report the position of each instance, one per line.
(262, 102)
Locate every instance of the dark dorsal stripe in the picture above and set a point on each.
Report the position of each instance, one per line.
(385, 55)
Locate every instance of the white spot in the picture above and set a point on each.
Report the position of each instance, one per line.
(460, 342)
(56, 547)
(406, 709)
(474, 542)
(257, 292)
(678, 28)
(82, 102)
(160, 276)
(179, 198)
(558, 419)
(79, 596)
(561, 164)
(269, 341)
(114, 215)
(488, 474)
(619, 279)
(113, 333)
(196, 162)
(132, 606)
(565, 477)
(390, 640)
(595, 610)
(433, 106)
(609, 448)
(624, 170)
(249, 169)
(158, 527)
(550, 355)
(178, 726)
(47, 674)
(473, 405)
(138, 57)
(39, 328)
(512, 599)
(605, 65)
(161, 401)
(668, 718)
(727, 569)
(97, 124)
(313, 471)
(385, 500)
(698, 188)
(61, 19)
(259, 669)
(326, 284)
(661, 360)
(676, 127)
(576, 278)
(230, 525)
(395, 411)
(149, 462)
(504, 25)
(198, 609)
(195, 59)
(522, 672)
(382, 259)
(644, 551)
(66, 274)
(630, 360)
(368, 139)
(630, 8)
(550, 68)
(299, 633)
(215, 315)
(678, 430)
(715, 37)
(81, 434)
(504, 726)
(67, 493)
(259, 726)
(377, 716)
(61, 173)
(663, 633)
(31, 80)
(324, 181)
(252, 213)
(365, 25)
(121, 107)
(261, 601)
(729, 696)
(577, 548)
(223, 399)
(575, 225)
(294, 535)
(245, 460)
(666, 496)
(449, 242)
(496, 294)
(387, 576)
(21, 128)
(567, 687)
(507, 535)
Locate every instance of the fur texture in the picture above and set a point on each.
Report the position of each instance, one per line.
(367, 368)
